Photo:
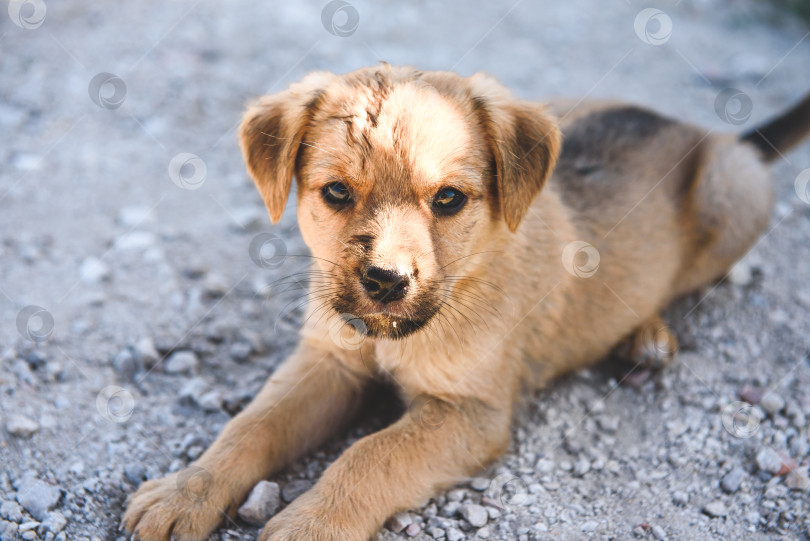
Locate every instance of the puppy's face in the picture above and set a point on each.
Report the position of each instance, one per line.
(402, 176)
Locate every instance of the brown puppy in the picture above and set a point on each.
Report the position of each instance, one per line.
(451, 261)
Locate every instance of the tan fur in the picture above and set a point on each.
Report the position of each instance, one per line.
(497, 284)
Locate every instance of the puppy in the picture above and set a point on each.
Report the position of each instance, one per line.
(463, 252)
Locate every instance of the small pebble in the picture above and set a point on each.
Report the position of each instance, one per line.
(732, 480)
(454, 534)
(769, 460)
(413, 530)
(8, 530)
(262, 503)
(134, 215)
(436, 533)
(145, 352)
(54, 523)
(715, 509)
(589, 526)
(38, 497)
(11, 511)
(399, 522)
(20, 425)
(751, 394)
(181, 361)
(544, 465)
(93, 271)
(740, 274)
(479, 483)
(474, 514)
(772, 403)
(659, 533)
(581, 467)
(798, 480)
(680, 498)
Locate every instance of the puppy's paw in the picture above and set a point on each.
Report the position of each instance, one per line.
(653, 346)
(311, 518)
(183, 506)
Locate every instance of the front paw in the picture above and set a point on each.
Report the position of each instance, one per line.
(312, 518)
(185, 505)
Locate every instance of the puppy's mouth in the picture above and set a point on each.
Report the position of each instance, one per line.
(392, 321)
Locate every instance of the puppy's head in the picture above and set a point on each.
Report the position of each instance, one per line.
(402, 176)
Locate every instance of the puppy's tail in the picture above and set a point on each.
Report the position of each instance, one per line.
(782, 132)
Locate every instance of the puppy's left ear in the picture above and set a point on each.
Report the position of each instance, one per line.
(525, 141)
(271, 134)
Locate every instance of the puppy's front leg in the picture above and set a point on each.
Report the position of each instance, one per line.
(435, 444)
(307, 399)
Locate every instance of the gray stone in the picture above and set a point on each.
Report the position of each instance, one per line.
(215, 285)
(293, 489)
(479, 483)
(413, 530)
(134, 215)
(715, 509)
(740, 274)
(8, 531)
(93, 271)
(145, 351)
(581, 467)
(20, 425)
(181, 361)
(769, 460)
(399, 522)
(608, 423)
(11, 511)
(454, 534)
(589, 526)
(544, 465)
(54, 523)
(474, 514)
(798, 480)
(134, 472)
(732, 480)
(436, 533)
(449, 509)
(135, 240)
(772, 403)
(262, 503)
(659, 533)
(38, 497)
(125, 364)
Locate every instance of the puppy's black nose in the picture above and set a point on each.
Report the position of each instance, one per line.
(384, 285)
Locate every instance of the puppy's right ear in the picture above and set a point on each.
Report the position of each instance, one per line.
(270, 136)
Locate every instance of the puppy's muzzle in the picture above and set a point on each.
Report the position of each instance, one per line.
(384, 285)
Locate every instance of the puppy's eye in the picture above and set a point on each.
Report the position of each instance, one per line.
(448, 201)
(336, 193)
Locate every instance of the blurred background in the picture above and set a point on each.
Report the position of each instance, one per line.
(137, 305)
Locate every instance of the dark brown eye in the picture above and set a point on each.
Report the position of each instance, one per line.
(336, 193)
(448, 201)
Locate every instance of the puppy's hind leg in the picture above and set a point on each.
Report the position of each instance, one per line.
(652, 345)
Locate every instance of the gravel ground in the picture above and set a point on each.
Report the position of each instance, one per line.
(153, 320)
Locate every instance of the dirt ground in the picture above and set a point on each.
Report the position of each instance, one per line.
(112, 248)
